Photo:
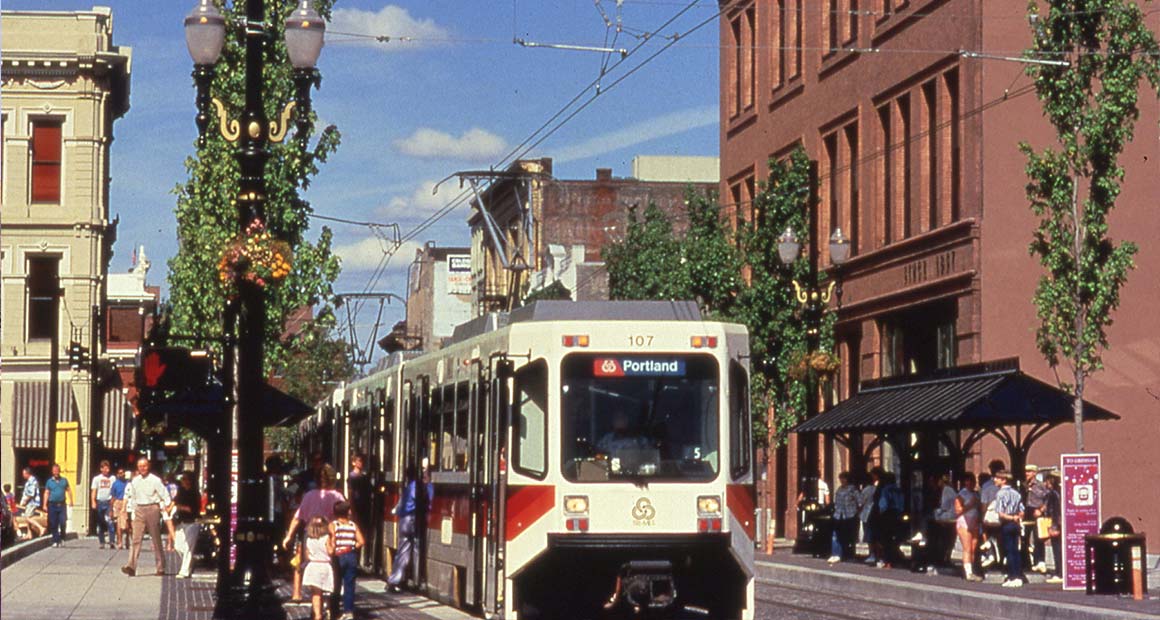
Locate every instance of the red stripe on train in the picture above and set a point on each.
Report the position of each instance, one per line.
(525, 506)
(741, 500)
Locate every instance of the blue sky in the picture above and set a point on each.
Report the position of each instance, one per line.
(458, 95)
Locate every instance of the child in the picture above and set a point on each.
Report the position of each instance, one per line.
(318, 576)
(10, 498)
(348, 539)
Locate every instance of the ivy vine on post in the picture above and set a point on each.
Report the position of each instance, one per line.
(207, 219)
(1091, 102)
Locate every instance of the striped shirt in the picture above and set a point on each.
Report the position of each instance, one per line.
(344, 537)
(1008, 502)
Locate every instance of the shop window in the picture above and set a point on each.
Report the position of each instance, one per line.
(46, 161)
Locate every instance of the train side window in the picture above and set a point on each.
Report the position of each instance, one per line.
(388, 439)
(740, 428)
(432, 421)
(459, 433)
(531, 423)
(446, 436)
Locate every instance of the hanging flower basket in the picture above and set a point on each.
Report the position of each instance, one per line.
(255, 256)
(823, 363)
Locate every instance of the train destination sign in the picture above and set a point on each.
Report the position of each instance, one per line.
(638, 367)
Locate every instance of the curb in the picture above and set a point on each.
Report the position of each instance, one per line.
(929, 596)
(18, 552)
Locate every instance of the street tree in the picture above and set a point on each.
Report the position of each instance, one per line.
(646, 262)
(1091, 102)
(207, 217)
(767, 305)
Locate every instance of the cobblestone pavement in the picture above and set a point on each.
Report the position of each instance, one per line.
(775, 602)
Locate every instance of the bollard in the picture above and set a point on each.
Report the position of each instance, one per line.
(1137, 574)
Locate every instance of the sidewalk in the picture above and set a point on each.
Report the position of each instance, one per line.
(79, 581)
(946, 591)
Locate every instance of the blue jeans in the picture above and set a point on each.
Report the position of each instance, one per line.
(104, 523)
(57, 513)
(1010, 534)
(347, 570)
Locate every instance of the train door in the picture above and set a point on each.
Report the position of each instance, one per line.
(495, 466)
(476, 459)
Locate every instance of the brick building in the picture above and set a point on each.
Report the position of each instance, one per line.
(916, 146)
(438, 295)
(534, 229)
(65, 83)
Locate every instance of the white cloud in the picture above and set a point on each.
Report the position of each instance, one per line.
(390, 21)
(366, 254)
(664, 126)
(422, 201)
(473, 145)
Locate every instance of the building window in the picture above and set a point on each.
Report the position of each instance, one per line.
(795, 40)
(885, 165)
(893, 362)
(929, 175)
(46, 159)
(735, 64)
(945, 355)
(749, 59)
(852, 165)
(43, 296)
(951, 80)
(902, 140)
(777, 46)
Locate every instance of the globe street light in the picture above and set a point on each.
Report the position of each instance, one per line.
(205, 31)
(813, 300)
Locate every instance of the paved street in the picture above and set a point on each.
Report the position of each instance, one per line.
(79, 581)
(777, 602)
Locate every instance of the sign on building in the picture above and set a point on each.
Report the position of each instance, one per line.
(459, 274)
(1080, 503)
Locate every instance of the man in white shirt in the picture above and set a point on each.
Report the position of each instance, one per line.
(146, 496)
(101, 500)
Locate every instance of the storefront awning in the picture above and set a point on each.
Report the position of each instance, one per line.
(117, 424)
(978, 397)
(30, 418)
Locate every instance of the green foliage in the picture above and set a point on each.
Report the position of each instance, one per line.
(777, 335)
(315, 362)
(1092, 104)
(207, 217)
(707, 264)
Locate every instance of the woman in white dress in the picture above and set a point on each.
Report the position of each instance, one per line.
(318, 576)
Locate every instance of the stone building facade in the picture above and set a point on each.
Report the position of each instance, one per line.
(65, 82)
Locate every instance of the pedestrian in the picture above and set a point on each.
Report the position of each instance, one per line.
(317, 574)
(146, 498)
(9, 498)
(101, 500)
(359, 493)
(990, 526)
(967, 524)
(186, 510)
(865, 512)
(167, 515)
(1052, 515)
(31, 493)
(845, 519)
(414, 504)
(316, 503)
(348, 540)
(941, 526)
(891, 506)
(117, 493)
(1033, 546)
(57, 491)
(1009, 507)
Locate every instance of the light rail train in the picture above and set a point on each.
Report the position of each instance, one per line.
(589, 459)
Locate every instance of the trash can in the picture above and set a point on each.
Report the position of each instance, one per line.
(815, 528)
(1110, 558)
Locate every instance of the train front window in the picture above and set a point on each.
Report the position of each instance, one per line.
(633, 417)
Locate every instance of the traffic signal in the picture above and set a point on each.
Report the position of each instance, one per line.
(168, 369)
(78, 356)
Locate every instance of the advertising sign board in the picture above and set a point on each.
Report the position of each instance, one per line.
(1080, 503)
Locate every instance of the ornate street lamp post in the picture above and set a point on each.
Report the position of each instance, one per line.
(205, 31)
(813, 298)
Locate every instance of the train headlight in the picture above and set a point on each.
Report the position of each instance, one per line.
(709, 505)
(576, 504)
